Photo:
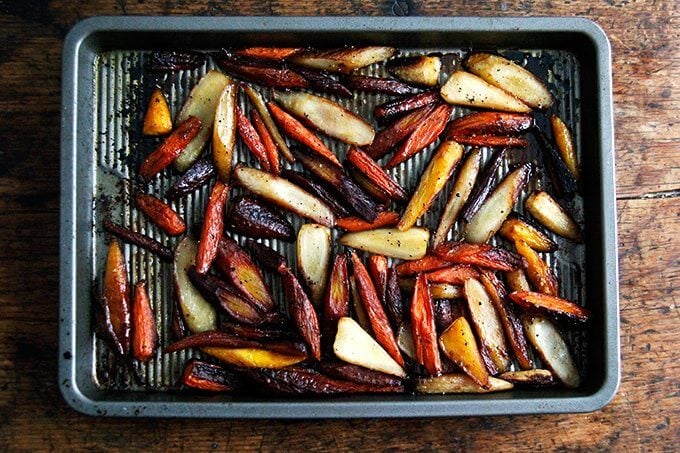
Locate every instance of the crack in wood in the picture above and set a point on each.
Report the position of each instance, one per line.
(673, 193)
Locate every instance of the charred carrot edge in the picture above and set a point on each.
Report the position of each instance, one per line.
(376, 313)
(267, 142)
(207, 376)
(370, 168)
(455, 275)
(138, 239)
(425, 134)
(490, 140)
(491, 123)
(298, 132)
(213, 226)
(393, 134)
(377, 268)
(394, 108)
(160, 214)
(424, 329)
(252, 139)
(354, 224)
(144, 333)
(482, 255)
(269, 53)
(171, 147)
(538, 271)
(425, 264)
(553, 304)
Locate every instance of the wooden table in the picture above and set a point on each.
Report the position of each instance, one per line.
(643, 415)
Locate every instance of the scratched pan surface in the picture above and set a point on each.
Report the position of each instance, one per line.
(105, 90)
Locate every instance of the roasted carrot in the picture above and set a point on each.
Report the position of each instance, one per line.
(160, 213)
(267, 142)
(483, 255)
(392, 109)
(171, 147)
(425, 134)
(490, 140)
(269, 53)
(116, 300)
(374, 172)
(252, 139)
(393, 134)
(455, 275)
(144, 333)
(213, 226)
(538, 271)
(375, 311)
(377, 268)
(298, 132)
(354, 224)
(303, 313)
(424, 329)
(138, 239)
(553, 304)
(425, 264)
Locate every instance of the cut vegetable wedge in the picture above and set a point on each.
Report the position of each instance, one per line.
(269, 53)
(438, 290)
(254, 358)
(393, 134)
(354, 345)
(465, 181)
(302, 313)
(343, 60)
(157, 119)
(517, 280)
(316, 188)
(493, 212)
(116, 300)
(208, 377)
(421, 70)
(488, 326)
(538, 271)
(284, 194)
(336, 299)
(374, 172)
(467, 89)
(518, 228)
(434, 178)
(327, 116)
(313, 256)
(251, 138)
(491, 123)
(248, 216)
(160, 214)
(198, 314)
(267, 142)
(535, 377)
(172, 147)
(392, 109)
(377, 268)
(552, 348)
(213, 227)
(490, 141)
(424, 330)
(324, 83)
(354, 224)
(458, 343)
(459, 383)
(455, 275)
(551, 215)
(224, 132)
(563, 181)
(144, 332)
(483, 186)
(405, 245)
(425, 264)
(264, 73)
(565, 144)
(482, 255)
(201, 103)
(551, 304)
(510, 77)
(261, 107)
(377, 85)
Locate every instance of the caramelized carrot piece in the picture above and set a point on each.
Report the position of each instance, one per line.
(554, 304)
(376, 313)
(424, 329)
(393, 134)
(374, 172)
(538, 271)
(427, 263)
(303, 313)
(171, 147)
(336, 300)
(425, 134)
(116, 299)
(354, 224)
(213, 226)
(490, 140)
(267, 141)
(482, 255)
(400, 106)
(144, 333)
(377, 267)
(269, 53)
(251, 138)
(160, 213)
(455, 275)
(298, 132)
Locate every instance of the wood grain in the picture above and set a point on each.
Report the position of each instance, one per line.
(643, 415)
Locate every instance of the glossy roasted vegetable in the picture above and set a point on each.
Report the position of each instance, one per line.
(537, 377)
(493, 212)
(144, 333)
(258, 101)
(468, 90)
(458, 343)
(270, 53)
(518, 228)
(267, 141)
(355, 346)
(424, 330)
(552, 348)
(359, 374)
(483, 187)
(327, 116)
(321, 81)
(565, 144)
(392, 109)
(465, 181)
(392, 135)
(313, 255)
(213, 227)
(405, 245)
(377, 268)
(482, 255)
(491, 123)
(201, 103)
(550, 304)
(343, 60)
(538, 271)
(510, 77)
(267, 257)
(157, 119)
(138, 239)
(172, 147)
(377, 85)
(547, 211)
(459, 383)
(355, 224)
(284, 194)
(434, 178)
(455, 275)
(363, 163)
(115, 300)
(199, 173)
(224, 131)
(316, 188)
(259, 71)
(249, 217)
(251, 138)
(437, 290)
(302, 313)
(420, 70)
(198, 314)
(563, 180)
(336, 299)
(425, 264)
(160, 213)
(209, 377)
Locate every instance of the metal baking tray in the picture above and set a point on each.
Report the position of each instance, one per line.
(104, 90)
